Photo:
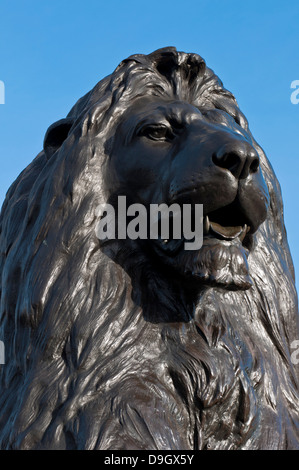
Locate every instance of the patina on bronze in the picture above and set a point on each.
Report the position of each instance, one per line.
(140, 344)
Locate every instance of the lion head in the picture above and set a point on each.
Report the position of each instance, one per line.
(167, 150)
(142, 344)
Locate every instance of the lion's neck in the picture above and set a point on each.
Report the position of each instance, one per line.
(225, 366)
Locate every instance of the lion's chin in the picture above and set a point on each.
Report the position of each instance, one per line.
(218, 263)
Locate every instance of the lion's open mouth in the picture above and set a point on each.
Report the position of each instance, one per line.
(227, 223)
(224, 232)
(222, 259)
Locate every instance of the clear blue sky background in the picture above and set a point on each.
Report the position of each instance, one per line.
(52, 52)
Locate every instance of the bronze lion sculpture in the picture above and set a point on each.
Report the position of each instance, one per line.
(140, 344)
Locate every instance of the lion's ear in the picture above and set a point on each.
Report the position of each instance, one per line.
(56, 135)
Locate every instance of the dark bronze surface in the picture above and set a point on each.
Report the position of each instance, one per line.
(141, 344)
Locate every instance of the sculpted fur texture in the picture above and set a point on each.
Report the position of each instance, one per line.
(141, 344)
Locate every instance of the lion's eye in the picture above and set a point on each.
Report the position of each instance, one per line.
(156, 132)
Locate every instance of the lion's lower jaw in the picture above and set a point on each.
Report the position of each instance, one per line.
(216, 264)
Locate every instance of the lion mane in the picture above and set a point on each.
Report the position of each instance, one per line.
(93, 359)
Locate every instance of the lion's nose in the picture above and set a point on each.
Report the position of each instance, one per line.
(239, 157)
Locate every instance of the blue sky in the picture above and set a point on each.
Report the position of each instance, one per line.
(52, 52)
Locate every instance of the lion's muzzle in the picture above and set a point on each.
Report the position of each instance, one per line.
(220, 169)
